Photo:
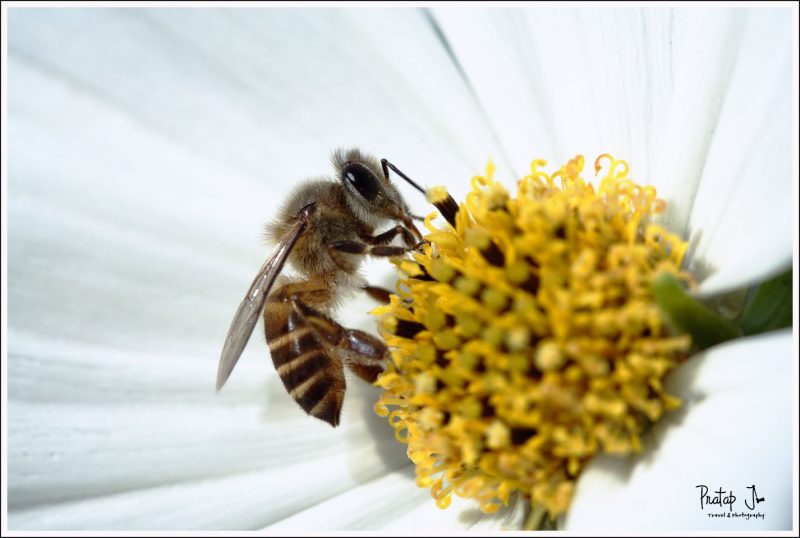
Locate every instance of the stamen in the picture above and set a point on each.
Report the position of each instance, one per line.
(535, 340)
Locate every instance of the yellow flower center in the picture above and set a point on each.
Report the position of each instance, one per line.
(526, 338)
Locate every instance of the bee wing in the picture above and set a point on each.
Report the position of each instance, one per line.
(250, 308)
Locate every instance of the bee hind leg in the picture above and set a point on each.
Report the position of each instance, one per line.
(364, 354)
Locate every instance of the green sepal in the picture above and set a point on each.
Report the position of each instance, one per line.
(689, 316)
(769, 306)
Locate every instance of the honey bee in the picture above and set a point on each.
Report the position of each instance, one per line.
(323, 230)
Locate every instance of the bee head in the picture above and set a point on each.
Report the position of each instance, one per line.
(370, 194)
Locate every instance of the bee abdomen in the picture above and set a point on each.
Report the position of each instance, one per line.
(311, 375)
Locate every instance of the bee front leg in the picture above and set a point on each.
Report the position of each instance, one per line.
(386, 237)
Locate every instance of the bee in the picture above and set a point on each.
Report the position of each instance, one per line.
(324, 229)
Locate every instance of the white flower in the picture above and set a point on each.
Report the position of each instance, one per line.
(148, 147)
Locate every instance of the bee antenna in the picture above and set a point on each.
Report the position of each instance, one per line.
(386, 165)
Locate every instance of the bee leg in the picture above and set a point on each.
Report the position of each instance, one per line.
(386, 237)
(357, 247)
(339, 250)
(379, 294)
(365, 355)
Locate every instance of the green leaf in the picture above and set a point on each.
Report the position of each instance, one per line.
(769, 306)
(689, 316)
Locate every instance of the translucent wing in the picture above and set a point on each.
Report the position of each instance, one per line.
(250, 308)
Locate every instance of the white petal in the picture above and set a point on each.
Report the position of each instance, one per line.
(697, 100)
(395, 503)
(556, 82)
(733, 431)
(741, 221)
(81, 428)
(235, 501)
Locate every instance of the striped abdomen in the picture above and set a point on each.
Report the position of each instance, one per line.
(310, 371)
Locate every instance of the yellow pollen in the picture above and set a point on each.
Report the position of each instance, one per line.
(548, 356)
(526, 338)
(436, 194)
(497, 435)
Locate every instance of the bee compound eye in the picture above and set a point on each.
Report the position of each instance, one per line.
(362, 179)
